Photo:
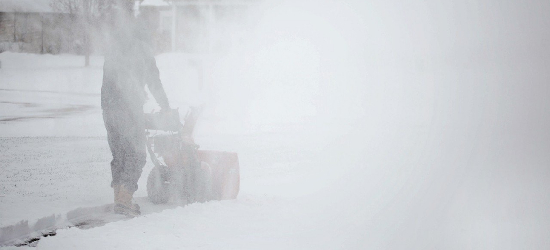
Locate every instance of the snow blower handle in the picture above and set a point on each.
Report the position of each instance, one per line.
(167, 120)
(191, 120)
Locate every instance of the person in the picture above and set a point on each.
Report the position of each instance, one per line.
(129, 67)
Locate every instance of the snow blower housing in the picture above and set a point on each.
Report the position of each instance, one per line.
(182, 172)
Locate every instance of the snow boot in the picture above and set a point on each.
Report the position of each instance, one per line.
(123, 202)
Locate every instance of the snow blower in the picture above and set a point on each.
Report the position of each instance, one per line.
(182, 172)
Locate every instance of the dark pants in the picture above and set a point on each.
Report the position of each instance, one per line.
(126, 136)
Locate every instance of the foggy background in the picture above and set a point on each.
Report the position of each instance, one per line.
(425, 124)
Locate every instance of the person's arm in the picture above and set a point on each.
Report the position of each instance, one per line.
(152, 78)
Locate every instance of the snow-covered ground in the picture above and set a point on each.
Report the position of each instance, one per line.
(420, 140)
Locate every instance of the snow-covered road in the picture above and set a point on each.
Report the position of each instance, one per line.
(386, 130)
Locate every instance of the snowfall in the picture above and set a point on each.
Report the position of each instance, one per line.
(357, 126)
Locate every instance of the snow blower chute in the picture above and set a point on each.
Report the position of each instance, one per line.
(182, 172)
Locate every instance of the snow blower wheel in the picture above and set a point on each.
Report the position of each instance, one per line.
(158, 185)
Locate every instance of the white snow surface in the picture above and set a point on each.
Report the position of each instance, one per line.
(420, 140)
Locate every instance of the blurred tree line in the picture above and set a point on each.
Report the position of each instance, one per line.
(89, 19)
(70, 26)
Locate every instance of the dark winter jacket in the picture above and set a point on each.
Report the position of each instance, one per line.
(129, 66)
